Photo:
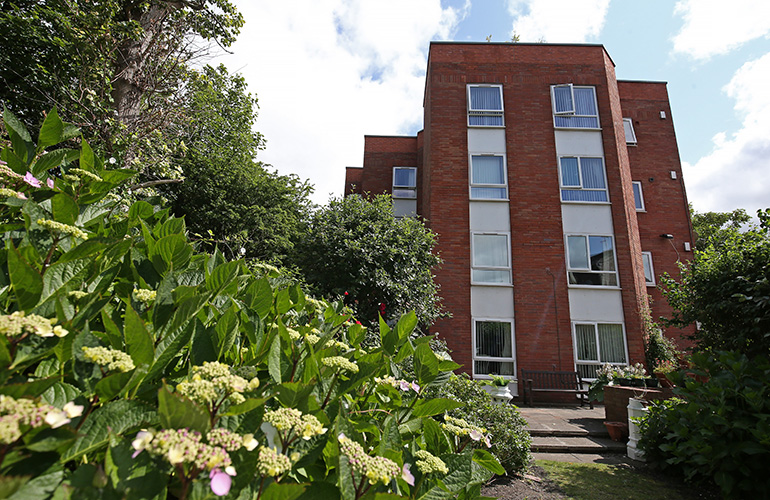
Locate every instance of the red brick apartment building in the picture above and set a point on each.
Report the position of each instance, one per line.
(556, 192)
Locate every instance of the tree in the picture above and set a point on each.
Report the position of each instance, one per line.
(726, 290)
(355, 248)
(113, 67)
(715, 227)
(226, 191)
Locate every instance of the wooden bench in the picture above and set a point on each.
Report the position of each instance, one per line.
(552, 381)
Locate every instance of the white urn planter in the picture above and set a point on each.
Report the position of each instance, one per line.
(500, 395)
(636, 408)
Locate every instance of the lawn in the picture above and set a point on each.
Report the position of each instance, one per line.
(592, 481)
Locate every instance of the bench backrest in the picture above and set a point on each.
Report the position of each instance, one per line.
(552, 380)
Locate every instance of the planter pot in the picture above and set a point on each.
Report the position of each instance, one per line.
(650, 382)
(618, 430)
(637, 382)
(500, 395)
(623, 381)
(636, 408)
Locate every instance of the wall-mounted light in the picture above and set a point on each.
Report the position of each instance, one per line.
(667, 236)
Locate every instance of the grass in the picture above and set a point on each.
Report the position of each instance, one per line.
(592, 481)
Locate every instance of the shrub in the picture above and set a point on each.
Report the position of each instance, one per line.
(510, 439)
(720, 429)
(132, 366)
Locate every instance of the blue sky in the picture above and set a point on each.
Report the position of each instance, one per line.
(326, 72)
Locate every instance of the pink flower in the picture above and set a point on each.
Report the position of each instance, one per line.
(31, 180)
(220, 482)
(405, 385)
(415, 386)
(406, 475)
(49, 181)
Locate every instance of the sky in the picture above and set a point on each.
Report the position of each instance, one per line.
(328, 72)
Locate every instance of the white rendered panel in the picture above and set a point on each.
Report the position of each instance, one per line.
(492, 302)
(577, 218)
(404, 208)
(595, 305)
(490, 216)
(486, 140)
(579, 142)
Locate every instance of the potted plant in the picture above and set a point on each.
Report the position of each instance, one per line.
(499, 389)
(662, 370)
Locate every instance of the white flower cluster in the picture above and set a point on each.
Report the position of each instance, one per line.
(375, 469)
(183, 446)
(143, 295)
(59, 227)
(272, 463)
(215, 381)
(10, 193)
(460, 427)
(428, 463)
(80, 173)
(340, 363)
(20, 324)
(111, 358)
(291, 422)
(18, 413)
(398, 383)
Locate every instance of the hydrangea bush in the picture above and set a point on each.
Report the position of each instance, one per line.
(133, 366)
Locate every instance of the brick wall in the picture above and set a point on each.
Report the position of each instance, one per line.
(652, 160)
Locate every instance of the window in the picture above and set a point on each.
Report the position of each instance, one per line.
(404, 182)
(597, 344)
(494, 351)
(574, 107)
(591, 260)
(582, 179)
(485, 105)
(628, 127)
(638, 198)
(490, 263)
(649, 273)
(488, 178)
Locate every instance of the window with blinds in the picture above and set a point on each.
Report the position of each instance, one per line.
(494, 351)
(485, 106)
(597, 344)
(574, 107)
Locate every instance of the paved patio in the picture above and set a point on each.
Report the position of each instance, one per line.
(572, 434)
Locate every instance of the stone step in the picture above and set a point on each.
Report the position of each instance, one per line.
(574, 432)
(564, 444)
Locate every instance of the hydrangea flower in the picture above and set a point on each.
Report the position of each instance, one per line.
(111, 358)
(143, 295)
(340, 363)
(18, 413)
(19, 324)
(59, 227)
(214, 381)
(375, 469)
(31, 180)
(429, 463)
(461, 428)
(272, 463)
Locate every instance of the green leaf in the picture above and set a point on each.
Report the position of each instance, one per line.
(135, 477)
(222, 276)
(294, 394)
(40, 486)
(65, 209)
(60, 394)
(62, 277)
(447, 365)
(435, 439)
(26, 282)
(488, 461)
(429, 407)
(245, 407)
(170, 346)
(30, 389)
(50, 131)
(177, 412)
(405, 326)
(263, 298)
(425, 365)
(389, 337)
(171, 252)
(174, 225)
(87, 159)
(204, 346)
(227, 330)
(139, 342)
(110, 386)
(140, 210)
(274, 359)
(278, 491)
(116, 417)
(51, 159)
(13, 124)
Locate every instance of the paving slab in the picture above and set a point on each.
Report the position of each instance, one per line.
(566, 444)
(575, 420)
(596, 458)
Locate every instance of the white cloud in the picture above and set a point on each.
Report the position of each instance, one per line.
(326, 72)
(736, 174)
(713, 27)
(557, 21)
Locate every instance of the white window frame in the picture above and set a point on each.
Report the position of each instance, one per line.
(486, 113)
(572, 111)
(480, 267)
(647, 258)
(640, 207)
(504, 185)
(404, 191)
(598, 361)
(580, 179)
(584, 270)
(628, 129)
(511, 359)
